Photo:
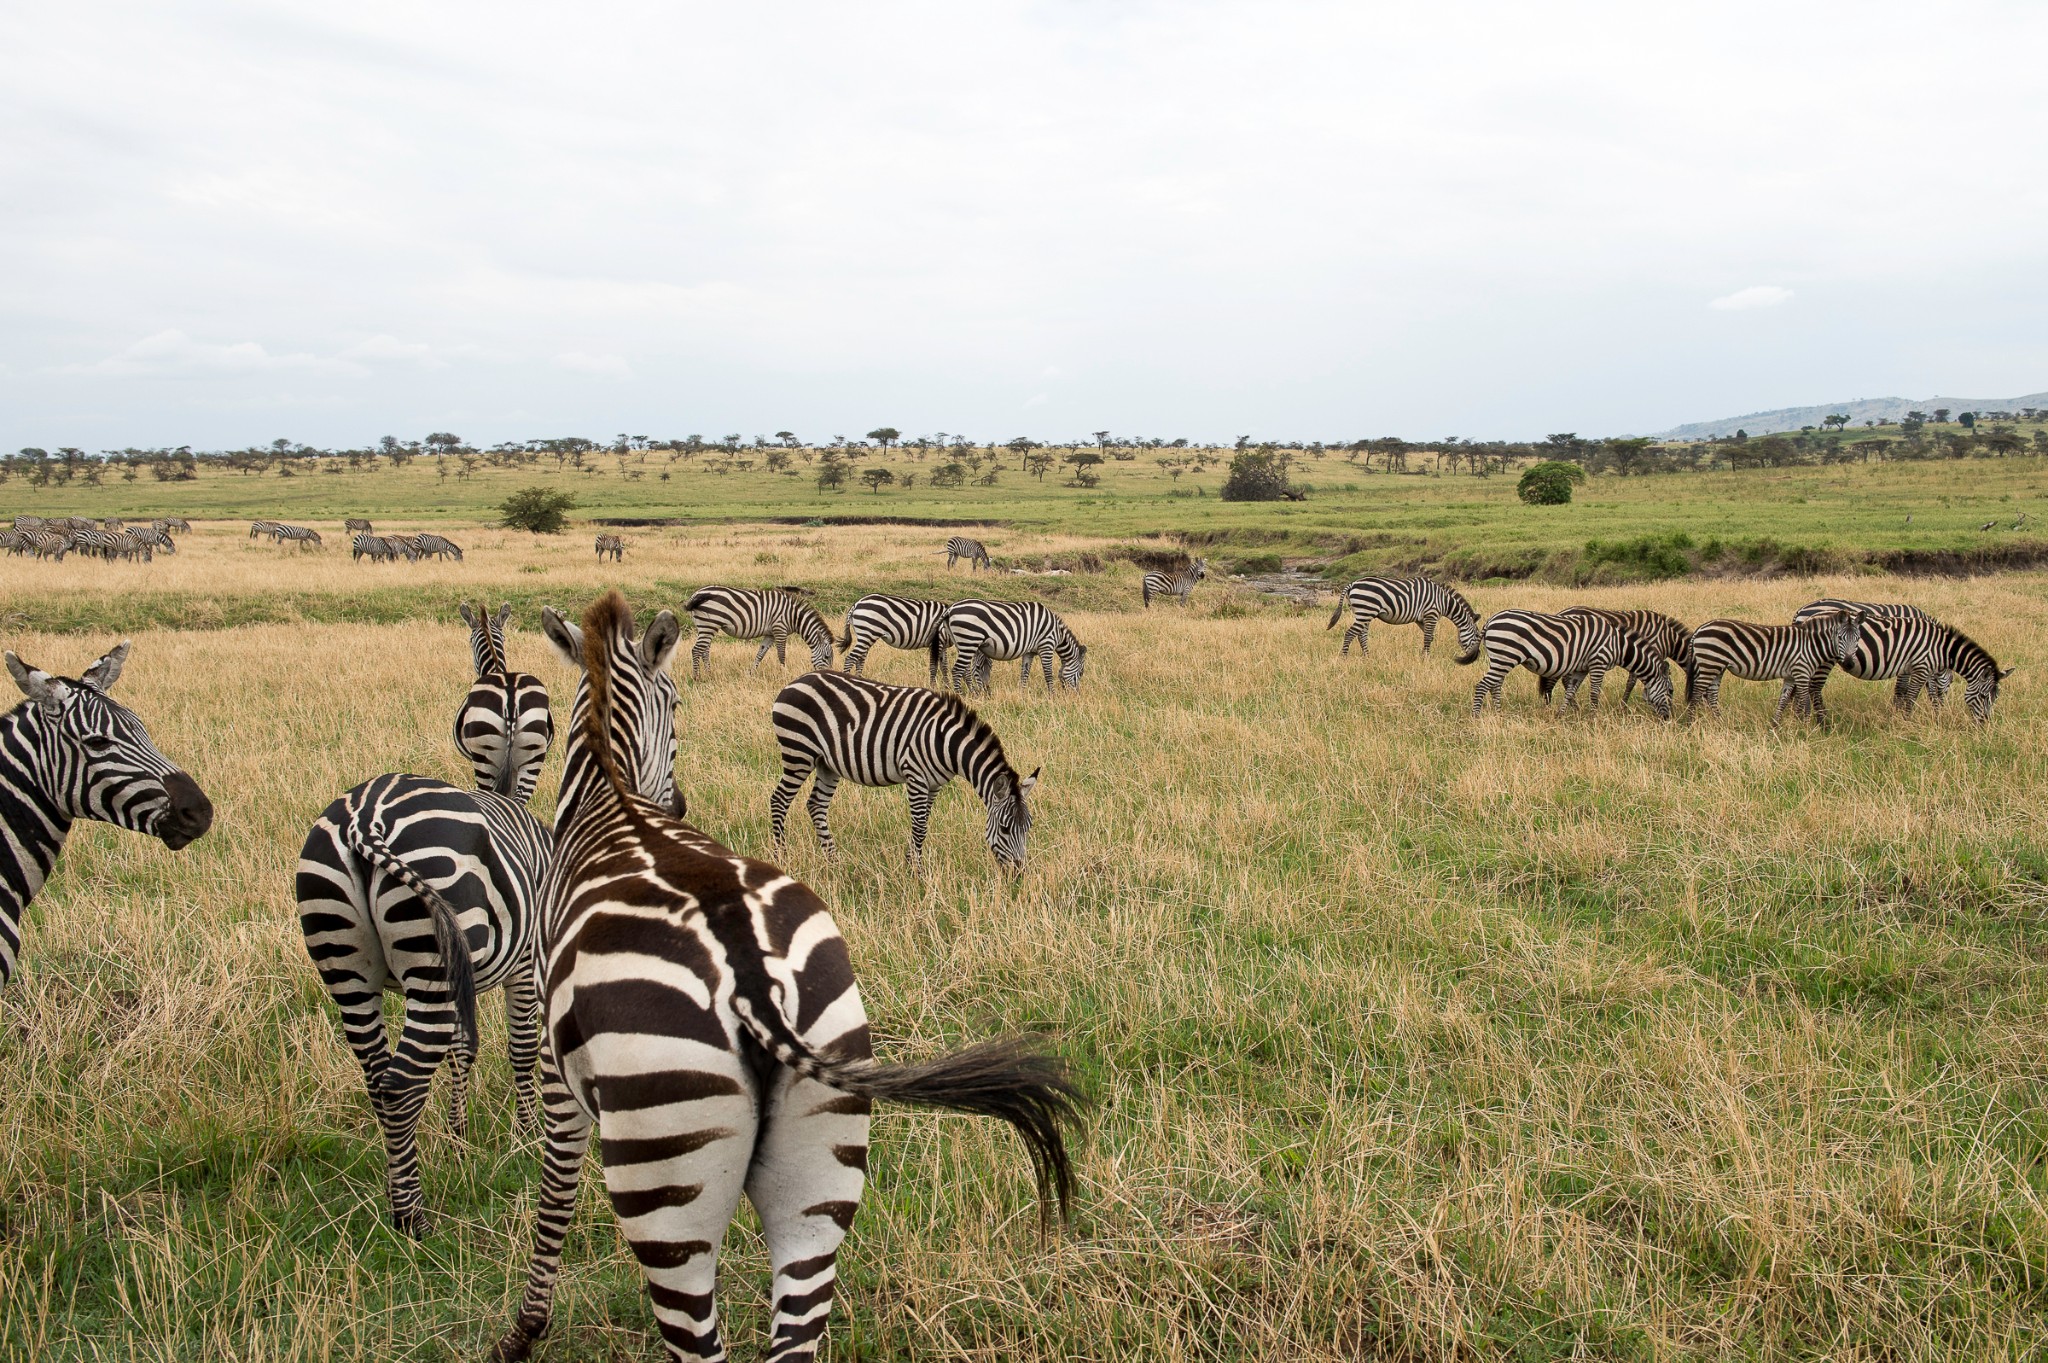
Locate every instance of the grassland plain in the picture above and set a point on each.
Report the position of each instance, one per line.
(1804, 518)
(1414, 1037)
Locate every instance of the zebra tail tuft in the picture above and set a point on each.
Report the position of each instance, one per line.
(448, 936)
(1692, 679)
(1337, 614)
(1467, 659)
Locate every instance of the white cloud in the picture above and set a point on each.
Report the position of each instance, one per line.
(576, 362)
(173, 354)
(1755, 296)
(390, 348)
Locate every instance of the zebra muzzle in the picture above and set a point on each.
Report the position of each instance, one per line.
(188, 814)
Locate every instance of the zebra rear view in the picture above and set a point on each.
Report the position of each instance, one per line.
(504, 727)
(1406, 601)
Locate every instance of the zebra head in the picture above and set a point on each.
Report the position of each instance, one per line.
(1645, 662)
(1840, 633)
(1073, 659)
(98, 762)
(1467, 621)
(626, 702)
(1200, 570)
(486, 635)
(1009, 820)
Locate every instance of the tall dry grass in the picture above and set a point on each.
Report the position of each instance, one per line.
(1413, 1037)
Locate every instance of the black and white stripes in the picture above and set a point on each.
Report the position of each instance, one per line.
(771, 616)
(1406, 601)
(1177, 585)
(906, 622)
(974, 551)
(1571, 649)
(1921, 653)
(873, 734)
(504, 726)
(983, 631)
(1798, 655)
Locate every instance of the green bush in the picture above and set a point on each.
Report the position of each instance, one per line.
(1645, 555)
(538, 509)
(1259, 476)
(1549, 483)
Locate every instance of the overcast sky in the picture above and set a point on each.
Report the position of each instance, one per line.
(221, 224)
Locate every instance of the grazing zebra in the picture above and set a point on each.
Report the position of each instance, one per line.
(356, 523)
(770, 616)
(705, 1025)
(906, 622)
(375, 548)
(260, 528)
(403, 546)
(66, 753)
(612, 547)
(170, 523)
(13, 541)
(875, 734)
(110, 545)
(29, 522)
(982, 631)
(152, 537)
(297, 534)
(47, 543)
(974, 551)
(1879, 610)
(434, 546)
(1180, 584)
(504, 726)
(1570, 648)
(1670, 637)
(1798, 655)
(1920, 652)
(1406, 601)
(410, 885)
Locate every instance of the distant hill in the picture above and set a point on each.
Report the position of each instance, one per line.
(1859, 411)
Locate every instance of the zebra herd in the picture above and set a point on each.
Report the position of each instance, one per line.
(1872, 641)
(391, 547)
(111, 539)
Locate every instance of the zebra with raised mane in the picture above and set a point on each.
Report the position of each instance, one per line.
(1798, 655)
(437, 546)
(705, 1024)
(1937, 691)
(1921, 653)
(610, 547)
(974, 551)
(1669, 636)
(984, 631)
(505, 726)
(1406, 601)
(771, 616)
(1571, 649)
(69, 752)
(842, 727)
(906, 622)
(1180, 584)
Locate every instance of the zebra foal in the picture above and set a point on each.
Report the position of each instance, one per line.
(1797, 655)
(69, 752)
(974, 551)
(982, 631)
(1179, 585)
(905, 622)
(873, 734)
(706, 1026)
(504, 727)
(1571, 649)
(770, 616)
(1406, 601)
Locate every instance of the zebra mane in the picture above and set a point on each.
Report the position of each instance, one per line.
(1458, 599)
(609, 619)
(1965, 654)
(965, 714)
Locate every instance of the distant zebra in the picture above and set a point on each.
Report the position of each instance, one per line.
(1799, 655)
(298, 534)
(974, 551)
(1921, 652)
(68, 753)
(1179, 584)
(875, 734)
(1879, 610)
(14, 542)
(1406, 601)
(29, 522)
(1571, 649)
(982, 631)
(504, 726)
(1670, 637)
(153, 537)
(170, 523)
(406, 547)
(610, 547)
(906, 622)
(770, 616)
(47, 543)
(355, 523)
(257, 529)
(410, 885)
(435, 546)
(375, 548)
(110, 545)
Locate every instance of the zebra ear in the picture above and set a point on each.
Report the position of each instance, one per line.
(658, 644)
(2001, 676)
(565, 637)
(38, 685)
(1029, 781)
(468, 615)
(504, 614)
(107, 669)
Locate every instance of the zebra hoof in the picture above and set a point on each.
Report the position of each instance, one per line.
(517, 1343)
(416, 1223)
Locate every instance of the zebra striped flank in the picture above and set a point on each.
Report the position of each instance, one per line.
(849, 728)
(707, 1028)
(771, 616)
(1180, 584)
(1798, 655)
(983, 631)
(1406, 601)
(1671, 637)
(1571, 649)
(70, 752)
(905, 622)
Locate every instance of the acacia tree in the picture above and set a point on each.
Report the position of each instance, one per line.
(877, 479)
(885, 436)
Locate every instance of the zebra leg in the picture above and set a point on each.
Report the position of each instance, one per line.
(430, 1027)
(920, 818)
(782, 648)
(964, 660)
(857, 658)
(460, 1058)
(522, 1025)
(793, 778)
(806, 1180)
(1496, 674)
(1359, 628)
(1045, 660)
(820, 805)
(568, 1136)
(766, 644)
(700, 651)
(1428, 623)
(1544, 687)
(1598, 676)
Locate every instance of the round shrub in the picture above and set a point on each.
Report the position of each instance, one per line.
(1549, 483)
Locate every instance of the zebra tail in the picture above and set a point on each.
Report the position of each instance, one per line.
(448, 938)
(846, 637)
(1337, 614)
(1010, 1079)
(697, 599)
(1692, 679)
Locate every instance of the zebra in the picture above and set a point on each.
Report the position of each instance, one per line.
(1922, 653)
(1571, 648)
(434, 546)
(410, 885)
(985, 630)
(1669, 636)
(1406, 601)
(1937, 691)
(111, 544)
(376, 548)
(406, 547)
(13, 541)
(974, 551)
(906, 622)
(612, 547)
(261, 528)
(1797, 654)
(70, 752)
(153, 538)
(770, 616)
(1181, 584)
(358, 523)
(166, 524)
(705, 1024)
(875, 734)
(504, 727)
(29, 522)
(47, 543)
